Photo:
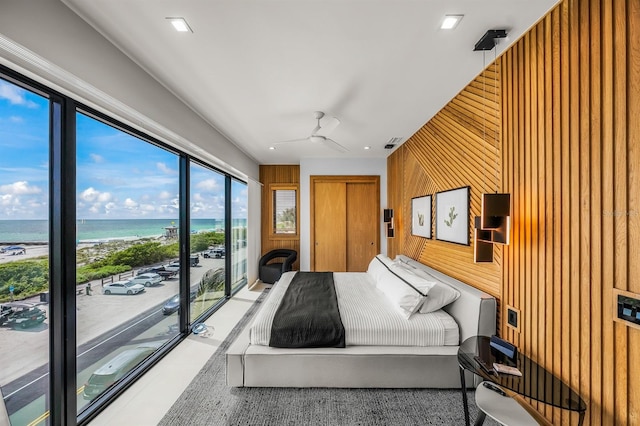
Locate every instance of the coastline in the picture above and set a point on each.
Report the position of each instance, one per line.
(35, 250)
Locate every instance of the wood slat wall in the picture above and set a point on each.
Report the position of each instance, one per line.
(277, 174)
(457, 147)
(570, 105)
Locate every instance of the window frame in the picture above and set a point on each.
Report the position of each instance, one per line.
(63, 349)
(272, 235)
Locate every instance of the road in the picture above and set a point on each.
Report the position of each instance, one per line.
(107, 325)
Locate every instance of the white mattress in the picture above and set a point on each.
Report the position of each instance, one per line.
(368, 318)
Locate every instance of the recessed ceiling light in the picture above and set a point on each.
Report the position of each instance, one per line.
(367, 147)
(272, 148)
(450, 22)
(180, 24)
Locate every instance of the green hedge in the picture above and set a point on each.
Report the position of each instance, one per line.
(31, 277)
(28, 277)
(201, 242)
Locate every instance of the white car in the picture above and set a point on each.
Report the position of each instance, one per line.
(172, 267)
(147, 279)
(122, 287)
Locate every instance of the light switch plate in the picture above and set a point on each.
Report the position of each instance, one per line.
(513, 318)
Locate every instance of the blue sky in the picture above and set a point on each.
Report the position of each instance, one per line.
(119, 176)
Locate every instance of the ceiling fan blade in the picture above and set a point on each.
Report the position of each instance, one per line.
(335, 145)
(328, 125)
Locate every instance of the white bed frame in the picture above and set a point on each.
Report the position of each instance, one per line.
(366, 366)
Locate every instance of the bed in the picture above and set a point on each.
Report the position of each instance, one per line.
(392, 361)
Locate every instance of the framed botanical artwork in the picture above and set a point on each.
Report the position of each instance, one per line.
(421, 216)
(452, 215)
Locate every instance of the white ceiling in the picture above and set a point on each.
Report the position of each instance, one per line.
(257, 69)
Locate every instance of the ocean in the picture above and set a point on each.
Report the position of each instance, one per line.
(31, 231)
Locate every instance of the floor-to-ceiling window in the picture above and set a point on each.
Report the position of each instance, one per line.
(24, 252)
(96, 282)
(239, 202)
(207, 199)
(127, 253)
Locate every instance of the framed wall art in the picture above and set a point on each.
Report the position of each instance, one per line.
(421, 216)
(452, 215)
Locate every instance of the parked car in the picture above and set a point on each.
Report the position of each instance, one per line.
(5, 311)
(217, 253)
(23, 315)
(122, 287)
(173, 304)
(172, 267)
(147, 279)
(116, 368)
(153, 270)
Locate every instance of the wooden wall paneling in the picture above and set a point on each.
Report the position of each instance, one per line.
(595, 193)
(632, 213)
(564, 283)
(458, 147)
(574, 196)
(394, 201)
(584, 199)
(608, 165)
(621, 277)
(277, 174)
(569, 101)
(551, 133)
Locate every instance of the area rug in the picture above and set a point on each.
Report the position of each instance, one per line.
(209, 401)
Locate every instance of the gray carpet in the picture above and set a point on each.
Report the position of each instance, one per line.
(209, 401)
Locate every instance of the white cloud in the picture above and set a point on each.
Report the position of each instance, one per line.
(207, 185)
(16, 119)
(165, 195)
(147, 208)
(130, 204)
(89, 194)
(15, 95)
(166, 169)
(6, 199)
(97, 158)
(19, 188)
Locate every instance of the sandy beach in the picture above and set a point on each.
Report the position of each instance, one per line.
(31, 252)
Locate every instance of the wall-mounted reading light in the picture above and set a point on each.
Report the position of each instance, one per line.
(388, 219)
(494, 223)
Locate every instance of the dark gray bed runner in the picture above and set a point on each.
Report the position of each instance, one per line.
(308, 315)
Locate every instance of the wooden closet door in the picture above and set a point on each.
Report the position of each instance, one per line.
(363, 229)
(330, 226)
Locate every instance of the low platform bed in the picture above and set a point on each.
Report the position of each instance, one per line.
(253, 365)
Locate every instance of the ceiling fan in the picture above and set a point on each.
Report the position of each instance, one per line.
(329, 124)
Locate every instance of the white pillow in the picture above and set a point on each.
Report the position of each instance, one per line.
(377, 266)
(440, 295)
(405, 291)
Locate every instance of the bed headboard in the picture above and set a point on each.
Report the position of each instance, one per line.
(475, 311)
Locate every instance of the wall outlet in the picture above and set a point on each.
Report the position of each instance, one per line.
(513, 318)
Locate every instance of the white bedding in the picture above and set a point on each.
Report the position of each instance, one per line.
(368, 318)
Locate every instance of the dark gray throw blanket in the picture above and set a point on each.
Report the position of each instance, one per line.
(308, 315)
